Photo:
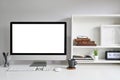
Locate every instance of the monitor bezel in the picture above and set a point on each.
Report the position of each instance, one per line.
(65, 38)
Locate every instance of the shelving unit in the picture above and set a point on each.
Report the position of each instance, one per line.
(98, 61)
(97, 47)
(91, 26)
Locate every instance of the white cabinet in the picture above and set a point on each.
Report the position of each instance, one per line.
(103, 29)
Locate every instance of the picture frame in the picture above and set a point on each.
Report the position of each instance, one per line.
(109, 35)
(112, 55)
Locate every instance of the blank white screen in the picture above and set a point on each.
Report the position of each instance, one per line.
(38, 38)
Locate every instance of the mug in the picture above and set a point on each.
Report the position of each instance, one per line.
(72, 63)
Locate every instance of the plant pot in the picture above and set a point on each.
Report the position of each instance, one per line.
(95, 57)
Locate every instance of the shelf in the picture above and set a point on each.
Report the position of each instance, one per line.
(95, 15)
(98, 61)
(104, 30)
(96, 46)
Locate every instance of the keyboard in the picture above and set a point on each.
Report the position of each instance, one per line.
(24, 68)
(48, 69)
(21, 68)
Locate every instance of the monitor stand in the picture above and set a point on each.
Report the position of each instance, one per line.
(38, 64)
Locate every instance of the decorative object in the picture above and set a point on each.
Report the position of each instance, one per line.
(110, 35)
(95, 54)
(112, 55)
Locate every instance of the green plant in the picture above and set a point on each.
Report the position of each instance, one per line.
(95, 52)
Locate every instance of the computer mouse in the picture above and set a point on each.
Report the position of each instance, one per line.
(57, 69)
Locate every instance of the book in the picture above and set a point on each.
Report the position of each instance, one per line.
(86, 57)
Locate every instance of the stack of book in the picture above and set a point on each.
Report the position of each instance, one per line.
(86, 57)
(84, 42)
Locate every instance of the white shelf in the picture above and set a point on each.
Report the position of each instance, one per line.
(98, 61)
(96, 46)
(96, 15)
(91, 26)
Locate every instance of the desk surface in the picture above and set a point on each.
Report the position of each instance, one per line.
(82, 72)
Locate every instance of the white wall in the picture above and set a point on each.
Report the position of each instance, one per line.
(48, 10)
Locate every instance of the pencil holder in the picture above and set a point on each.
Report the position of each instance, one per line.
(5, 56)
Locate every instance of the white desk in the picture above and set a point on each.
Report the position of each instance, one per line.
(2, 73)
(83, 72)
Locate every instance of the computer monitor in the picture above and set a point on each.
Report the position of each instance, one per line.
(38, 40)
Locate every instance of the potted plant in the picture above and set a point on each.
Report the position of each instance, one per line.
(96, 54)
